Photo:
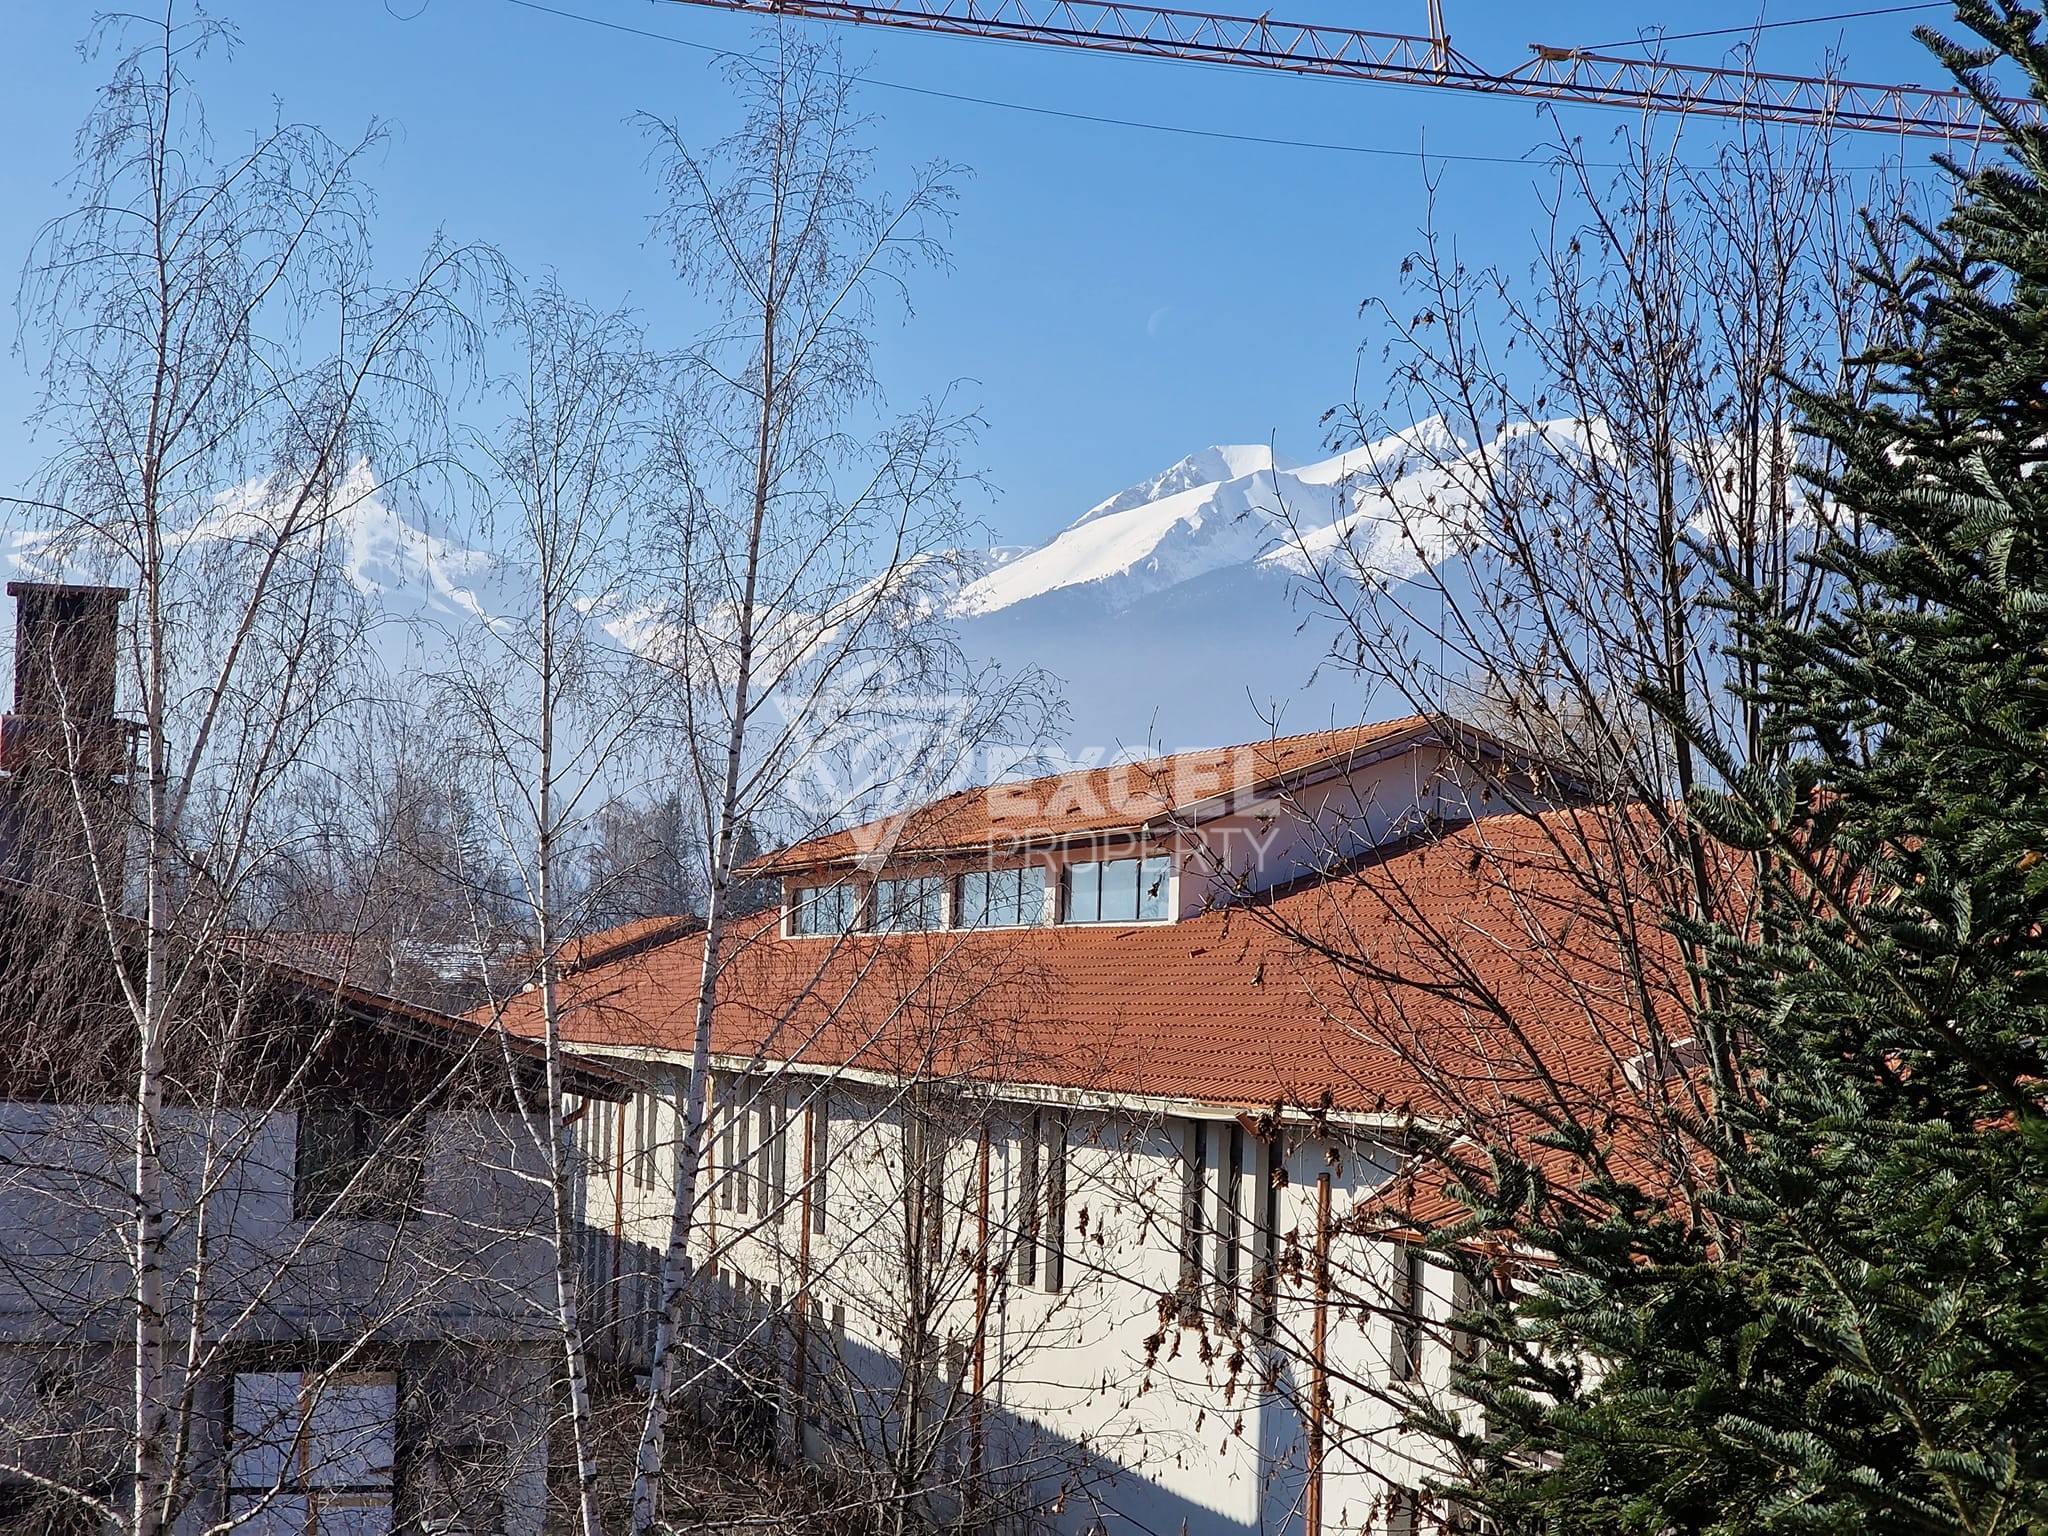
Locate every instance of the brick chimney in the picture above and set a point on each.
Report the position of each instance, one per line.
(64, 656)
(62, 746)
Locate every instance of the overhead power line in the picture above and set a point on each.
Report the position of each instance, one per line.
(1178, 129)
(1653, 36)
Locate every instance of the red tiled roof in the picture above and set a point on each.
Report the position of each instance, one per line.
(1093, 801)
(1504, 993)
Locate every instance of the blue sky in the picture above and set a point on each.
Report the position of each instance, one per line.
(1119, 296)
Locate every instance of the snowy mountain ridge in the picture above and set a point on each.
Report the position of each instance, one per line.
(1171, 610)
(1233, 505)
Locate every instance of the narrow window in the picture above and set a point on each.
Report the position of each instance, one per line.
(728, 1163)
(1403, 1506)
(1120, 891)
(1410, 1291)
(774, 1153)
(971, 901)
(597, 1141)
(1055, 1233)
(1230, 1223)
(742, 1172)
(1470, 1297)
(1155, 878)
(1084, 893)
(1193, 1218)
(821, 1155)
(1266, 1232)
(1027, 1202)
(646, 1122)
(933, 1145)
(1030, 898)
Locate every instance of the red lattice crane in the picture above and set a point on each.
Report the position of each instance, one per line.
(1552, 74)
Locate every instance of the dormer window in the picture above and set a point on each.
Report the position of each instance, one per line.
(1119, 891)
(908, 906)
(819, 911)
(1000, 898)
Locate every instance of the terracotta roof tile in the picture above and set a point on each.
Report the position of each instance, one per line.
(1232, 1008)
(1092, 801)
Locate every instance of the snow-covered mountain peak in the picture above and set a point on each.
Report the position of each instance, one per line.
(400, 570)
(1225, 506)
(1211, 466)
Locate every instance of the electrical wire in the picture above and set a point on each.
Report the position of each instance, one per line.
(1657, 37)
(1037, 111)
(1533, 160)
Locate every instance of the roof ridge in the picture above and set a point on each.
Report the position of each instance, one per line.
(1234, 769)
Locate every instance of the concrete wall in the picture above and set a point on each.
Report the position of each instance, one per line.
(452, 1301)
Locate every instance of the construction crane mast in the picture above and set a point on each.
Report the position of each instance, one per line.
(1307, 48)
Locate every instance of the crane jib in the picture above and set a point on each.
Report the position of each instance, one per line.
(1552, 73)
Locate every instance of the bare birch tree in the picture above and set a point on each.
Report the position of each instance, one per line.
(222, 365)
(1566, 469)
(814, 542)
(551, 698)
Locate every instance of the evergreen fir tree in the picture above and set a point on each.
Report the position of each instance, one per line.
(1865, 1346)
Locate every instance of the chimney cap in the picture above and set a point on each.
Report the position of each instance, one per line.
(66, 588)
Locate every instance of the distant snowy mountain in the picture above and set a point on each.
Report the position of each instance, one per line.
(1228, 507)
(1173, 612)
(402, 571)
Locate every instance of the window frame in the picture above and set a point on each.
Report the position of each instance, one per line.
(1097, 884)
(349, 1189)
(1029, 905)
(1407, 1312)
(846, 898)
(886, 913)
(1027, 1212)
(292, 1428)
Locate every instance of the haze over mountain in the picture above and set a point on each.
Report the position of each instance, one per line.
(1172, 612)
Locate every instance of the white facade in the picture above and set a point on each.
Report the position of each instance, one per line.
(1120, 1314)
(357, 1365)
(1132, 1288)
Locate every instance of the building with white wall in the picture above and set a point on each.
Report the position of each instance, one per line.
(355, 1273)
(1045, 1168)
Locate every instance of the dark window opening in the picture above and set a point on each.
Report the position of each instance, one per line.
(356, 1164)
(821, 1156)
(1027, 1202)
(1055, 1234)
(1266, 1233)
(1194, 1217)
(1230, 1219)
(1410, 1293)
(742, 1175)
